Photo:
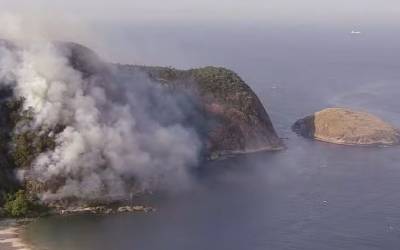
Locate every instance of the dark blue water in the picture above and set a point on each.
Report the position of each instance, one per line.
(312, 195)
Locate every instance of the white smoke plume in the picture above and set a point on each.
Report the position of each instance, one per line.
(136, 134)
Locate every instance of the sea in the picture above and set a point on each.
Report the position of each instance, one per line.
(311, 196)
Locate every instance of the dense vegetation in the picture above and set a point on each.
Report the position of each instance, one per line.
(17, 204)
(19, 146)
(21, 204)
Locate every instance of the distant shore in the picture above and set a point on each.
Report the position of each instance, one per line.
(10, 235)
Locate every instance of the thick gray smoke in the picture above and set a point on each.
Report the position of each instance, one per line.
(134, 135)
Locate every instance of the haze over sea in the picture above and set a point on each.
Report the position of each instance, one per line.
(312, 195)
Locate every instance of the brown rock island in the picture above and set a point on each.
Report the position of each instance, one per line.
(347, 127)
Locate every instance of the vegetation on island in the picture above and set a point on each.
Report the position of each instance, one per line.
(20, 144)
(21, 204)
(17, 204)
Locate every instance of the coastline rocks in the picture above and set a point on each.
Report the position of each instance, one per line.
(347, 127)
(99, 210)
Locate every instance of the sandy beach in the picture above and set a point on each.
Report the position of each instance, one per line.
(9, 236)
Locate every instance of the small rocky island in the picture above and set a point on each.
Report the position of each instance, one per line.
(347, 127)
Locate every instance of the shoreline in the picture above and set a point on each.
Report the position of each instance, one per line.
(10, 239)
(10, 229)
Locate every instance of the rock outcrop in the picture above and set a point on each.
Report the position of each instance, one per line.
(347, 127)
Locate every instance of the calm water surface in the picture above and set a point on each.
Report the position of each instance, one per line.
(311, 196)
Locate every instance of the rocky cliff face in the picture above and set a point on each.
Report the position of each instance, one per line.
(230, 117)
(236, 119)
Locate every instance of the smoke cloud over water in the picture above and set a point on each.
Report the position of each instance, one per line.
(118, 131)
